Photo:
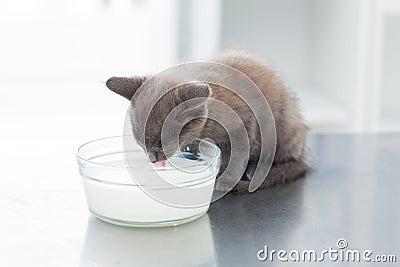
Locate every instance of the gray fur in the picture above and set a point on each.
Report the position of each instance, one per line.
(290, 160)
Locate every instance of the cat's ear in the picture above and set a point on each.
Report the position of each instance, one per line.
(192, 90)
(125, 87)
(198, 93)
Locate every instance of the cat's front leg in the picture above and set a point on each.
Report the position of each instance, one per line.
(228, 179)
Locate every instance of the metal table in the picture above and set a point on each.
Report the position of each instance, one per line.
(352, 194)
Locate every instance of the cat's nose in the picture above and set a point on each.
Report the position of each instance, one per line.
(153, 156)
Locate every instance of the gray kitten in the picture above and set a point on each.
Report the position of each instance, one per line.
(290, 160)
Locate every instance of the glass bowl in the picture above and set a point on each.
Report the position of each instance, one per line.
(117, 189)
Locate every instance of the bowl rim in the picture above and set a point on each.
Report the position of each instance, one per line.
(89, 161)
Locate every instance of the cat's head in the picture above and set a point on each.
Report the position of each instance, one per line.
(147, 129)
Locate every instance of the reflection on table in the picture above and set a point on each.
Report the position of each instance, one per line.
(190, 244)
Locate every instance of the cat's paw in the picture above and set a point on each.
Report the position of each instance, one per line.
(242, 186)
(227, 186)
(224, 186)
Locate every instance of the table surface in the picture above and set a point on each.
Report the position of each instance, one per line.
(352, 194)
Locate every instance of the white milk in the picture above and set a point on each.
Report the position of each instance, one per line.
(120, 201)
